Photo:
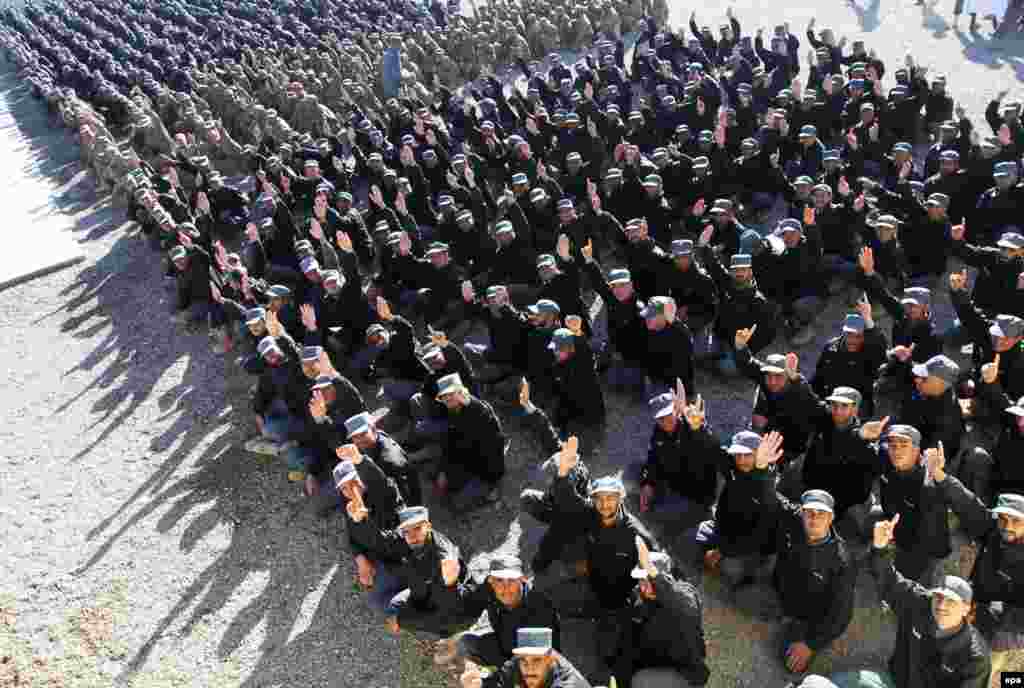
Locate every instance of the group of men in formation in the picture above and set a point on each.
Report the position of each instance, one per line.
(381, 230)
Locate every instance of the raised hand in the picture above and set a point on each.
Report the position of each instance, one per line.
(404, 244)
(884, 531)
(343, 240)
(184, 239)
(792, 364)
(851, 140)
(468, 294)
(744, 335)
(315, 230)
(406, 157)
(202, 202)
(588, 251)
(695, 414)
(308, 316)
(643, 554)
(568, 456)
(524, 393)
(903, 353)
(872, 431)
(844, 187)
(349, 452)
(376, 197)
(956, 232)
(450, 569)
(936, 461)
(356, 509)
(575, 324)
(866, 260)
(990, 371)
(699, 207)
(958, 280)
(470, 176)
(383, 309)
(563, 247)
(317, 405)
(769, 452)
(400, 205)
(274, 327)
(705, 236)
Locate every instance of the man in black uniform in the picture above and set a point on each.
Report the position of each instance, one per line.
(814, 576)
(661, 633)
(536, 665)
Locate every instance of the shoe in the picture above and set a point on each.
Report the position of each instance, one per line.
(260, 445)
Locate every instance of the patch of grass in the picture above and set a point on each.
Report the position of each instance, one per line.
(416, 667)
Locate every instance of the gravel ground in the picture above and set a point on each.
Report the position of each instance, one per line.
(140, 547)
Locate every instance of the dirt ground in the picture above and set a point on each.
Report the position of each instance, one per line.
(140, 547)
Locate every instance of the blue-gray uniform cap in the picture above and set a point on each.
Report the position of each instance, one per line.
(358, 424)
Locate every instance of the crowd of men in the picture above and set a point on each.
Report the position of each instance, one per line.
(669, 201)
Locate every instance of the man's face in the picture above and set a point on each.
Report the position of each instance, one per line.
(854, 342)
(311, 369)
(416, 536)
(313, 276)
(623, 291)
(566, 215)
(816, 523)
(949, 612)
(439, 259)
(350, 489)
(647, 590)
(936, 213)
(437, 362)
(652, 191)
(915, 311)
(453, 401)
(534, 669)
(258, 328)
(930, 386)
(320, 203)
(742, 276)
(181, 264)
(791, 239)
(564, 353)
(775, 382)
(843, 414)
(312, 172)
(902, 453)
(509, 591)
(607, 505)
(947, 167)
(273, 358)
(656, 323)
(365, 440)
(668, 423)
(1002, 344)
(377, 340)
(744, 462)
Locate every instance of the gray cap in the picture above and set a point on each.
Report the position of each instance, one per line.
(1011, 240)
(178, 252)
(358, 424)
(817, 500)
(940, 366)
(682, 247)
(533, 641)
(560, 338)
(854, 324)
(344, 472)
(411, 516)
(955, 587)
(309, 264)
(918, 296)
(744, 442)
(845, 395)
(908, 431)
(1007, 326)
(505, 566)
(619, 276)
(254, 315)
(1009, 504)
(662, 405)
(323, 382)
(609, 483)
(774, 363)
(544, 306)
(266, 345)
(741, 260)
(939, 200)
(311, 354)
(449, 384)
(278, 291)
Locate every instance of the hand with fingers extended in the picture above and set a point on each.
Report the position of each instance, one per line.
(568, 456)
(450, 570)
(743, 336)
(274, 326)
(958, 280)
(349, 452)
(903, 353)
(990, 371)
(935, 459)
(885, 532)
(471, 676)
(343, 240)
(308, 316)
(792, 366)
(872, 431)
(366, 571)
(574, 324)
(384, 310)
(866, 260)
(588, 251)
(356, 509)
(769, 452)
(468, 293)
(317, 405)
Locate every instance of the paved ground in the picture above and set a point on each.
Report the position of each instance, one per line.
(139, 547)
